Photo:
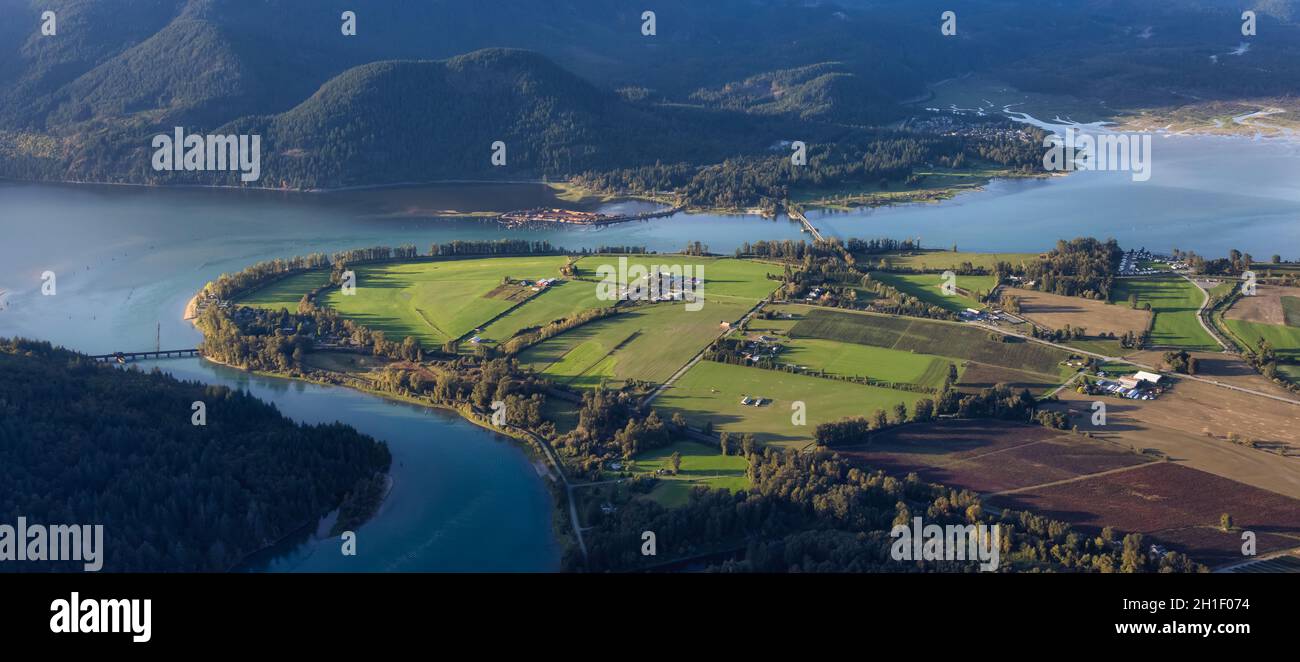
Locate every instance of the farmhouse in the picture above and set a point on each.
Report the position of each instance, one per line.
(1140, 380)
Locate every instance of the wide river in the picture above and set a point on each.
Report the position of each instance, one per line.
(127, 259)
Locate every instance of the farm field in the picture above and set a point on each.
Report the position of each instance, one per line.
(1191, 423)
(979, 376)
(878, 363)
(1270, 305)
(440, 300)
(647, 343)
(1054, 311)
(927, 337)
(988, 456)
(724, 278)
(1174, 300)
(286, 292)
(1173, 504)
(702, 465)
(1285, 340)
(926, 287)
(941, 260)
(712, 392)
(564, 299)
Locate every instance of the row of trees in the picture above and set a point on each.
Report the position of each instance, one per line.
(1000, 402)
(815, 512)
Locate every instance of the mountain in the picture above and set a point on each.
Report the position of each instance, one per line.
(717, 79)
(826, 91)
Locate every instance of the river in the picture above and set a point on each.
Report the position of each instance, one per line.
(126, 260)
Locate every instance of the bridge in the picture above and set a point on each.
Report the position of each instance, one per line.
(797, 215)
(123, 357)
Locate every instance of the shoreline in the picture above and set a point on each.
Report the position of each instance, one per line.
(534, 454)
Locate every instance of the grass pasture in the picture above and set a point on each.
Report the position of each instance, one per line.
(647, 343)
(926, 287)
(725, 279)
(702, 466)
(1284, 339)
(1175, 301)
(850, 359)
(712, 392)
(926, 337)
(438, 300)
(561, 300)
(940, 260)
(286, 292)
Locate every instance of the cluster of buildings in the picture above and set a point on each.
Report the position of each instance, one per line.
(665, 286)
(552, 215)
(763, 347)
(1141, 385)
(815, 294)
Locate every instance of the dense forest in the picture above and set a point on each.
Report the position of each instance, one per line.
(859, 159)
(1083, 267)
(585, 92)
(86, 443)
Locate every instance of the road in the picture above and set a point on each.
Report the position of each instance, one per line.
(1120, 359)
(568, 487)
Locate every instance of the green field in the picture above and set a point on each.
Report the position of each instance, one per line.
(712, 392)
(927, 337)
(561, 300)
(926, 287)
(702, 465)
(939, 261)
(1284, 339)
(879, 363)
(1291, 310)
(1174, 300)
(286, 292)
(647, 343)
(436, 301)
(724, 278)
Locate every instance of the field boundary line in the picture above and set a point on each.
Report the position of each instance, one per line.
(1071, 480)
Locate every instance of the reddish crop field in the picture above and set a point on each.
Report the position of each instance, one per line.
(1175, 505)
(988, 456)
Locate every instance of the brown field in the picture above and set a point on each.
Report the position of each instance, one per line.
(978, 376)
(1265, 307)
(1097, 317)
(1174, 504)
(988, 456)
(1190, 425)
